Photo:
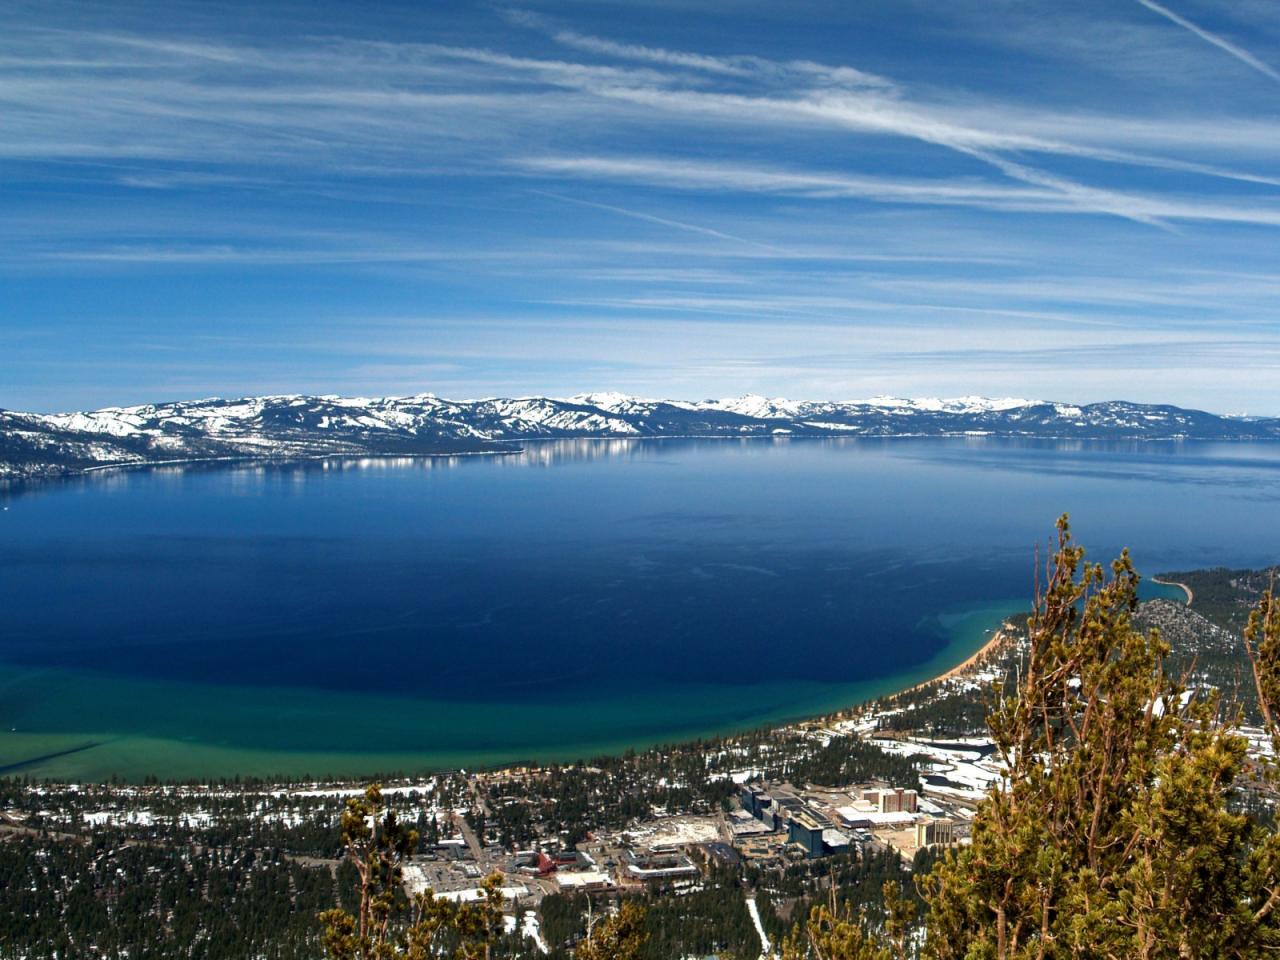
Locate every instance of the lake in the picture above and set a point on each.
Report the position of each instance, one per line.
(576, 598)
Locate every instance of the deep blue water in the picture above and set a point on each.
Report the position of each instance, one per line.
(594, 573)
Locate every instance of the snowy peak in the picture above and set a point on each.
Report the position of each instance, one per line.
(298, 426)
(775, 408)
(960, 405)
(613, 402)
(753, 405)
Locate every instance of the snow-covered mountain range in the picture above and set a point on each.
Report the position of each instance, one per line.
(294, 427)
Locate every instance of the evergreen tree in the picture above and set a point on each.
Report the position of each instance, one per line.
(837, 933)
(386, 926)
(619, 936)
(1115, 832)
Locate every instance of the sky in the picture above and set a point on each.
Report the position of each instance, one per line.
(829, 200)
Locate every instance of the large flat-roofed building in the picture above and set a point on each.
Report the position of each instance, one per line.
(760, 804)
(835, 841)
(584, 881)
(650, 867)
(805, 828)
(856, 819)
(784, 803)
(755, 799)
(930, 832)
(743, 824)
(769, 817)
(896, 800)
(721, 855)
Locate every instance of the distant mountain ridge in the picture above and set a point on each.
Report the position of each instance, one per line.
(297, 427)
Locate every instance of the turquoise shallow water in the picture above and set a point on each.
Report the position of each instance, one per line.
(577, 599)
(132, 728)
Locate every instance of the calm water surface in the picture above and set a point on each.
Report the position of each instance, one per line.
(585, 596)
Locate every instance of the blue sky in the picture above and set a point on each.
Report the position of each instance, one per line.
(1074, 201)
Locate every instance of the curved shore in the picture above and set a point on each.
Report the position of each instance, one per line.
(998, 636)
(1175, 583)
(63, 755)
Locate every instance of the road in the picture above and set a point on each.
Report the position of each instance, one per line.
(473, 842)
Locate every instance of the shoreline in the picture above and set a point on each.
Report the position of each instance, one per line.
(998, 636)
(15, 481)
(61, 473)
(1175, 583)
(401, 766)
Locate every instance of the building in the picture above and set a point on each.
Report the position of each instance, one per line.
(930, 832)
(571, 859)
(855, 819)
(585, 881)
(835, 841)
(895, 800)
(805, 828)
(454, 848)
(720, 855)
(743, 824)
(654, 866)
(755, 799)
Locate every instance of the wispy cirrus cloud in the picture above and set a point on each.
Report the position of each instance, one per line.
(718, 175)
(740, 65)
(1048, 195)
(1241, 54)
(878, 108)
(222, 104)
(694, 193)
(661, 221)
(571, 38)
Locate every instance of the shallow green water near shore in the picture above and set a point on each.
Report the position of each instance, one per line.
(134, 728)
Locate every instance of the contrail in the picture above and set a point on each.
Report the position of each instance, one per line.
(650, 218)
(1244, 56)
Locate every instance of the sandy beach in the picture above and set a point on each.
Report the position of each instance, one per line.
(997, 637)
(1174, 583)
(1000, 635)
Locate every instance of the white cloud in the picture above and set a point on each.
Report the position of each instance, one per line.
(696, 211)
(341, 103)
(1057, 195)
(1244, 56)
